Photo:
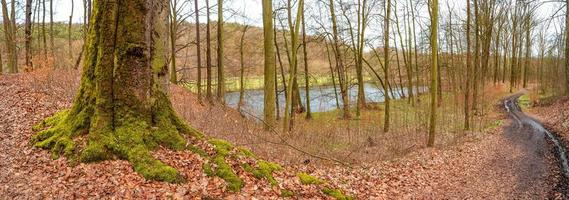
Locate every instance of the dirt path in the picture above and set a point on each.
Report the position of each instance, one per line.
(544, 153)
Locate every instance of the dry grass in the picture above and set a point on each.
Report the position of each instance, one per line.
(350, 141)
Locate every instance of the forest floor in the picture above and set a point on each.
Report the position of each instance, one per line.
(484, 165)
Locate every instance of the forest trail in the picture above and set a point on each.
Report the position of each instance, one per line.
(538, 145)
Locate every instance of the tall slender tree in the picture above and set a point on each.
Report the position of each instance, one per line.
(434, 70)
(70, 25)
(209, 94)
(386, 65)
(306, 74)
(28, 34)
(468, 70)
(8, 17)
(198, 51)
(173, 24)
(566, 46)
(270, 66)
(295, 29)
(343, 82)
(220, 55)
(51, 30)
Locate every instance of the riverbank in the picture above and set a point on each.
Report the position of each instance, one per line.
(232, 84)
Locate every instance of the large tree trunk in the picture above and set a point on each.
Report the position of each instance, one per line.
(121, 109)
(270, 96)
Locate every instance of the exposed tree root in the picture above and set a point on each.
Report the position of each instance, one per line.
(80, 137)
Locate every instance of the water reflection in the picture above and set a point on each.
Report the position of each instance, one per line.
(322, 98)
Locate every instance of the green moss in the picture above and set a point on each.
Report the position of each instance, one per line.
(151, 168)
(207, 169)
(63, 146)
(94, 152)
(225, 172)
(197, 150)
(130, 136)
(50, 121)
(286, 193)
(263, 171)
(222, 147)
(524, 101)
(245, 152)
(307, 179)
(337, 194)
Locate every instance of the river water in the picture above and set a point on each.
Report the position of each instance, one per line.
(322, 98)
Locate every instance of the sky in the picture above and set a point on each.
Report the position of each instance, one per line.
(251, 8)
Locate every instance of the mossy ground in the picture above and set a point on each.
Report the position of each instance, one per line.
(69, 133)
(336, 193)
(307, 179)
(63, 136)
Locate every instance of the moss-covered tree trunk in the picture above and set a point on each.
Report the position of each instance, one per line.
(121, 109)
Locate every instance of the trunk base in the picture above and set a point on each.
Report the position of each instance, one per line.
(78, 135)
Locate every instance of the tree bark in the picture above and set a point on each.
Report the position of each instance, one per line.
(270, 75)
(295, 29)
(51, 31)
(10, 36)
(209, 94)
(198, 51)
(173, 16)
(69, 42)
(566, 47)
(468, 70)
(434, 70)
(386, 65)
(306, 74)
(122, 108)
(28, 35)
(339, 64)
(220, 55)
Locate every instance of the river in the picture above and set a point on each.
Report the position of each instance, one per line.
(322, 98)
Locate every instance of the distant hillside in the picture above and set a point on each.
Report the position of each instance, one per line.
(253, 51)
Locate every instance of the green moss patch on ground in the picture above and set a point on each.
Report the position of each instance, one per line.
(308, 179)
